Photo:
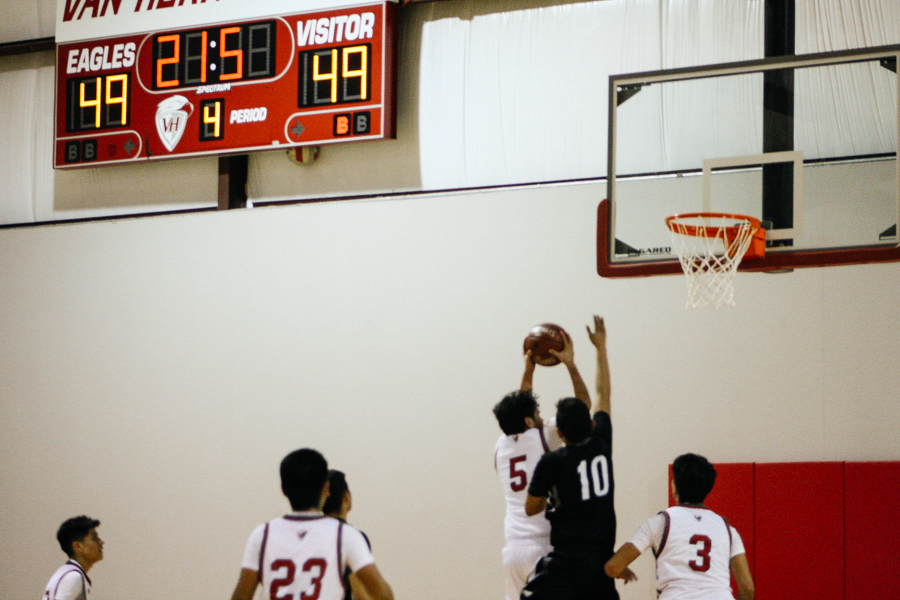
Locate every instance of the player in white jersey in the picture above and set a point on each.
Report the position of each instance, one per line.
(305, 553)
(526, 437)
(696, 549)
(78, 538)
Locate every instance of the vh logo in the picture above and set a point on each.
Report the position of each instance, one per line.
(171, 120)
(357, 123)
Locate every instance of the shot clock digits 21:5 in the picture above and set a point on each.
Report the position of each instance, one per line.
(214, 55)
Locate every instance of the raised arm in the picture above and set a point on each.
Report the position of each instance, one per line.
(567, 357)
(598, 338)
(528, 375)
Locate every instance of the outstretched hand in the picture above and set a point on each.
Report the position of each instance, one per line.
(567, 354)
(598, 336)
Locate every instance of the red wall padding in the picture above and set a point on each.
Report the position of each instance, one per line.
(872, 532)
(733, 498)
(799, 531)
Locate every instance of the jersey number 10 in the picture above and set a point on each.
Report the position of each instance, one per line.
(595, 479)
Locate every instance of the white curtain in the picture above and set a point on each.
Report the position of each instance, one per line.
(523, 96)
(18, 122)
(827, 25)
(26, 20)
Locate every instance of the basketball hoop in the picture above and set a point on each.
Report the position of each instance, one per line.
(710, 247)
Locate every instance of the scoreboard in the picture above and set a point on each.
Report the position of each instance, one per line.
(291, 80)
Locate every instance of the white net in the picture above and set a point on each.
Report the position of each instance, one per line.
(710, 247)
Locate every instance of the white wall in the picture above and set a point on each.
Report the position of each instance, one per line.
(153, 372)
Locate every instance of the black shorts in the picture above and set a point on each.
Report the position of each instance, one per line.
(570, 575)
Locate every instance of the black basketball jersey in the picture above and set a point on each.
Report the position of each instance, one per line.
(579, 480)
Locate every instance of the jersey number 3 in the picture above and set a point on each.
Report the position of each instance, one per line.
(595, 479)
(705, 546)
(315, 565)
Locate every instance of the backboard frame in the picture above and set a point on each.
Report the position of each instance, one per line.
(778, 258)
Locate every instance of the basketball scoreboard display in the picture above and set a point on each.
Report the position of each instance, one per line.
(290, 80)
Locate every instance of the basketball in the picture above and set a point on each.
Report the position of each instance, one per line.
(543, 338)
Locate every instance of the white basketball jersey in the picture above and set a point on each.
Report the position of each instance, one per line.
(694, 557)
(515, 457)
(301, 558)
(69, 582)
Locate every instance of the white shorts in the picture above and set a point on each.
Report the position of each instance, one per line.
(518, 563)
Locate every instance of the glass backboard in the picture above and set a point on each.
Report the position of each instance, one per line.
(807, 144)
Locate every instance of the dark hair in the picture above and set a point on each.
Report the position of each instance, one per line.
(694, 478)
(337, 487)
(573, 419)
(303, 475)
(74, 530)
(513, 409)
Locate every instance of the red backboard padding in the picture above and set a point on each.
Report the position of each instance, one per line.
(872, 529)
(799, 531)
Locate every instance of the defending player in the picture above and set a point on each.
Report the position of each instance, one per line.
(578, 478)
(524, 440)
(78, 538)
(304, 553)
(695, 548)
(338, 505)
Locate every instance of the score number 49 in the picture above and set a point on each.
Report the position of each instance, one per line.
(334, 76)
(97, 102)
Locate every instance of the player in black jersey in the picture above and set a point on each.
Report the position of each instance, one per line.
(576, 482)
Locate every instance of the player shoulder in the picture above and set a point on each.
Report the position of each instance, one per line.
(347, 528)
(71, 571)
(555, 457)
(602, 420)
(351, 535)
(69, 581)
(695, 513)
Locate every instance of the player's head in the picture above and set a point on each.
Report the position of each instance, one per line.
(337, 491)
(304, 474)
(76, 529)
(516, 410)
(693, 477)
(573, 419)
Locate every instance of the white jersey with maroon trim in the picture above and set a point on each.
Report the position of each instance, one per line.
(304, 556)
(69, 582)
(693, 548)
(515, 457)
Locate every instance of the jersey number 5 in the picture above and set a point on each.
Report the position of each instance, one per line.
(517, 474)
(595, 479)
(317, 565)
(702, 552)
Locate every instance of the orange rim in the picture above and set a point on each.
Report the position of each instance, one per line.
(707, 231)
